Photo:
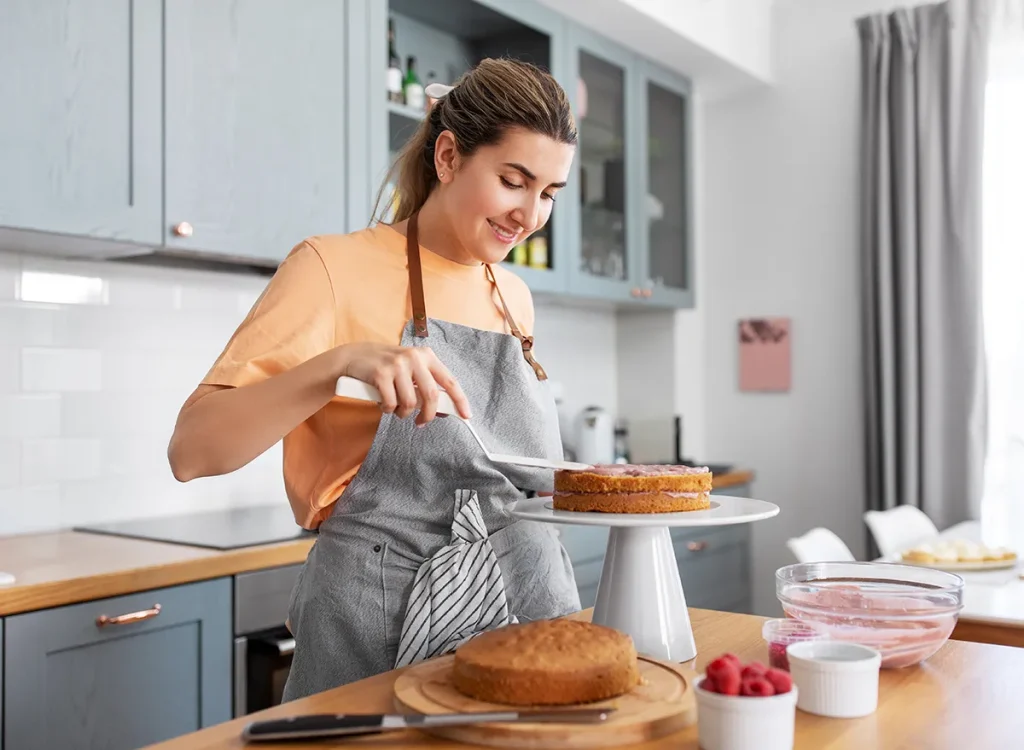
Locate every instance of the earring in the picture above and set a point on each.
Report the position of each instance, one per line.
(440, 175)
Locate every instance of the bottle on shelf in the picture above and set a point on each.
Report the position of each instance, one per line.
(538, 252)
(413, 88)
(394, 68)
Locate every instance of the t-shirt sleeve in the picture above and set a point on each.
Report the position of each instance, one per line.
(292, 321)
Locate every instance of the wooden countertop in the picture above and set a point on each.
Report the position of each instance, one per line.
(731, 479)
(965, 696)
(60, 568)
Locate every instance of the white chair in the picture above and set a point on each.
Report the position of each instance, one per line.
(899, 528)
(820, 545)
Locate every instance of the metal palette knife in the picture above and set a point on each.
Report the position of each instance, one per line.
(351, 388)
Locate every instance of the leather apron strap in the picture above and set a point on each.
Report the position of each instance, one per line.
(419, 307)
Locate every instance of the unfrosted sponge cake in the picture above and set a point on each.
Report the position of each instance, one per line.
(627, 488)
(546, 663)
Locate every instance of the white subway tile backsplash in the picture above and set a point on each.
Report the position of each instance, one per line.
(10, 367)
(134, 293)
(92, 377)
(59, 459)
(29, 416)
(60, 370)
(24, 510)
(120, 414)
(10, 463)
(28, 325)
(8, 281)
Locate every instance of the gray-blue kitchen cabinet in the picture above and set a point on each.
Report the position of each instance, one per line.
(447, 38)
(255, 123)
(663, 202)
(80, 135)
(604, 258)
(72, 682)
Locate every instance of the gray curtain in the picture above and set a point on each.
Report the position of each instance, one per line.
(923, 74)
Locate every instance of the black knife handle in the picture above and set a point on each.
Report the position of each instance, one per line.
(312, 726)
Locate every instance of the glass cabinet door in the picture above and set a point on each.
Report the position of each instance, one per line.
(666, 204)
(604, 167)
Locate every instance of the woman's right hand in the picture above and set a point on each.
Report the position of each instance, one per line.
(400, 373)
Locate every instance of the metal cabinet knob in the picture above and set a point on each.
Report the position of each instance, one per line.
(183, 229)
(648, 292)
(696, 546)
(636, 292)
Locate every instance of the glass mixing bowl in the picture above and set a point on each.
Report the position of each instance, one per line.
(905, 611)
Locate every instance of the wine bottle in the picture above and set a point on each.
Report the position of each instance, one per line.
(394, 67)
(412, 88)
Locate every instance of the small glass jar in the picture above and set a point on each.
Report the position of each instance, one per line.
(778, 634)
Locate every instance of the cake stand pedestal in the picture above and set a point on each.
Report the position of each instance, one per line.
(640, 592)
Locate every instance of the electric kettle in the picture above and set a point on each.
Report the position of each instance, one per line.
(595, 436)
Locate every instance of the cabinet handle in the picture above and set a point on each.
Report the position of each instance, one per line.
(183, 229)
(696, 546)
(145, 614)
(648, 292)
(636, 292)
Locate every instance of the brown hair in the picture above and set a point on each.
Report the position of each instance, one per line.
(496, 95)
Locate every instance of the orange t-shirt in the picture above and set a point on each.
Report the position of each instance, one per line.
(339, 289)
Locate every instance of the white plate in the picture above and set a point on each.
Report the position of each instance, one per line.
(724, 510)
(956, 567)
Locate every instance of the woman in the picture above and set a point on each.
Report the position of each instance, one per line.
(416, 550)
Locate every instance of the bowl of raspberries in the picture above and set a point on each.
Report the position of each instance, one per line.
(745, 705)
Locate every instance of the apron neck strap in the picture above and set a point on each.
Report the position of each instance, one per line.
(419, 307)
(525, 341)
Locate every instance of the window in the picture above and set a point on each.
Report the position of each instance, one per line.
(1002, 507)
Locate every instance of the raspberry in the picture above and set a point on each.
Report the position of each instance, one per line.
(757, 687)
(720, 667)
(729, 683)
(753, 669)
(734, 659)
(778, 657)
(780, 680)
(708, 684)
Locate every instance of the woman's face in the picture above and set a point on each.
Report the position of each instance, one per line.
(502, 193)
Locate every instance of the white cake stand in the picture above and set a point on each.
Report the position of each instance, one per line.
(640, 592)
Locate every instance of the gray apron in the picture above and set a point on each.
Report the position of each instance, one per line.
(420, 552)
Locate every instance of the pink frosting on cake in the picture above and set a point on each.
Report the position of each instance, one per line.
(642, 470)
(639, 494)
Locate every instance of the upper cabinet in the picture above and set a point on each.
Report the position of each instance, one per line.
(255, 121)
(441, 40)
(232, 130)
(207, 127)
(80, 133)
(665, 204)
(604, 262)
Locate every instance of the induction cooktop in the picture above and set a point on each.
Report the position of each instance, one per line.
(221, 530)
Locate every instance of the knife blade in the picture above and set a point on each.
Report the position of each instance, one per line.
(350, 725)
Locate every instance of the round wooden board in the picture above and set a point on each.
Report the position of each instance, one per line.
(664, 703)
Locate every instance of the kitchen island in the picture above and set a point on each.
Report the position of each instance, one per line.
(965, 696)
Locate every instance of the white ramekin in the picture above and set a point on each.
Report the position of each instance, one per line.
(735, 722)
(835, 678)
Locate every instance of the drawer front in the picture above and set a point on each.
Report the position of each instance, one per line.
(262, 598)
(71, 682)
(714, 576)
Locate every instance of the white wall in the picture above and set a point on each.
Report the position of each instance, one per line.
(723, 46)
(89, 389)
(781, 230)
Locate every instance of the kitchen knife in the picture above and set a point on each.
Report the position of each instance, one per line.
(316, 726)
